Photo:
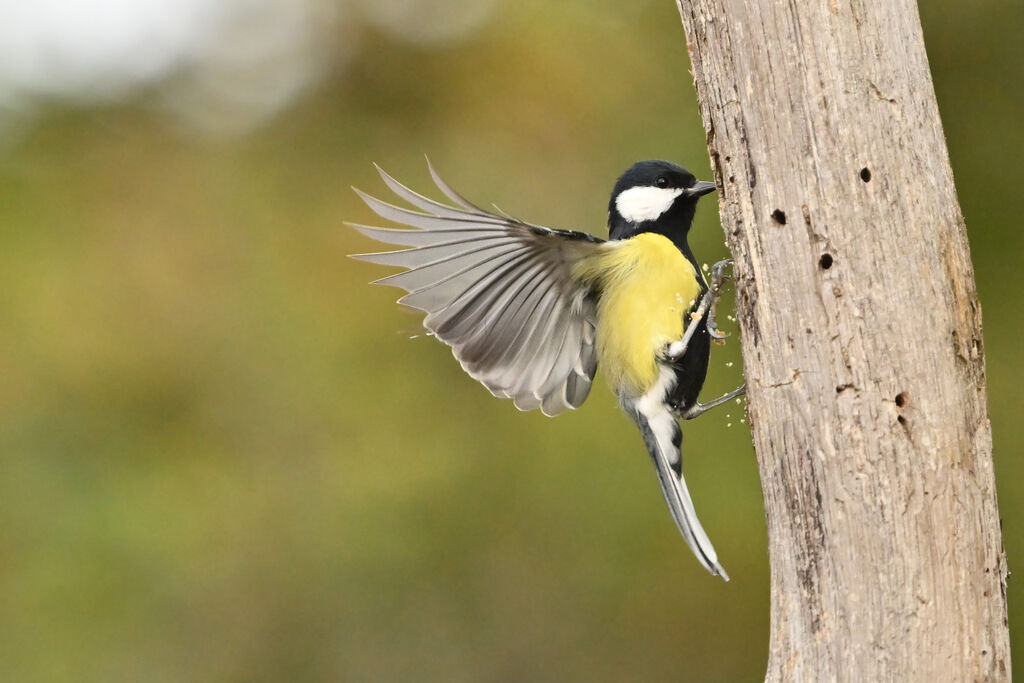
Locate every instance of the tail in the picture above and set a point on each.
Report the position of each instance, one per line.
(663, 437)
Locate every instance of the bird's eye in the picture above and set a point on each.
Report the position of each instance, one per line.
(662, 181)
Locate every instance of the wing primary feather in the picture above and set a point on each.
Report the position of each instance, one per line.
(516, 311)
(434, 274)
(435, 254)
(482, 297)
(496, 333)
(424, 221)
(418, 200)
(435, 298)
(452, 194)
(418, 238)
(493, 329)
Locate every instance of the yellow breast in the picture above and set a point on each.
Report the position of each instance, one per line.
(647, 286)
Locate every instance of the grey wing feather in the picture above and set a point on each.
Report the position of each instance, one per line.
(499, 291)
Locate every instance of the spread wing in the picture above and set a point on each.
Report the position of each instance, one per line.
(498, 291)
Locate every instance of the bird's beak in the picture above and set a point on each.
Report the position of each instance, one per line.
(700, 188)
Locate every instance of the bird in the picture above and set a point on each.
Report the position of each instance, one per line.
(532, 312)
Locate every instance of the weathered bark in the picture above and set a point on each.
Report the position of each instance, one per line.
(861, 337)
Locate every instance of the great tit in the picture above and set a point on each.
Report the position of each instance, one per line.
(531, 312)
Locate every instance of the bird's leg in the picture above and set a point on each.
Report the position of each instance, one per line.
(698, 409)
(705, 312)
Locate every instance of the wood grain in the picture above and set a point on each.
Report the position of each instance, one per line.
(861, 337)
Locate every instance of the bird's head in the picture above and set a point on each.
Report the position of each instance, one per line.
(655, 196)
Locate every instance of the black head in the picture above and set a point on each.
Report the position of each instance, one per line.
(655, 196)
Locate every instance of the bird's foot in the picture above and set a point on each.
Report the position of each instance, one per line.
(704, 314)
(698, 409)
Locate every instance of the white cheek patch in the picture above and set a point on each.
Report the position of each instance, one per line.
(639, 204)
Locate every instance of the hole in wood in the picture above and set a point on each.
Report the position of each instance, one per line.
(779, 216)
(902, 420)
(901, 399)
(865, 174)
(825, 261)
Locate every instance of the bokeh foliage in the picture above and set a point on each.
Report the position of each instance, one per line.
(223, 458)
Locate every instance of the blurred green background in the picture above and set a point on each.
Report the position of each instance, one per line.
(223, 457)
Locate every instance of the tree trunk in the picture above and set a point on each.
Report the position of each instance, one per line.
(861, 337)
